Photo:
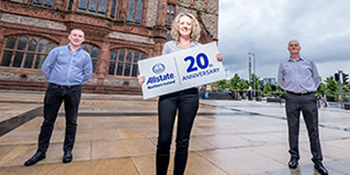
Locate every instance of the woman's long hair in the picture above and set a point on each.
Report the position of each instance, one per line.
(195, 33)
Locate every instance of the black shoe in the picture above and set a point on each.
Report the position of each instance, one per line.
(37, 157)
(293, 163)
(67, 157)
(320, 168)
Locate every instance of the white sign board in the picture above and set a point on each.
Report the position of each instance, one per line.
(180, 70)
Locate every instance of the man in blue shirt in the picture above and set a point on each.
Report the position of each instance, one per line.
(66, 68)
(299, 77)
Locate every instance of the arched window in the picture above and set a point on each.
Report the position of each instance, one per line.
(97, 7)
(135, 12)
(25, 51)
(93, 51)
(43, 3)
(123, 62)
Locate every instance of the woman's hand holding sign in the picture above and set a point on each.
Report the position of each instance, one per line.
(219, 56)
(141, 79)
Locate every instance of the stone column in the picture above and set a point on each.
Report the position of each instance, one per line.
(64, 39)
(2, 39)
(108, 8)
(102, 66)
(159, 41)
(75, 5)
(162, 13)
(60, 5)
(103, 60)
(123, 10)
(30, 2)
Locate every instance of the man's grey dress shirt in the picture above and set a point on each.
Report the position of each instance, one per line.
(299, 76)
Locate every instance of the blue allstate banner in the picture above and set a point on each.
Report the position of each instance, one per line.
(180, 70)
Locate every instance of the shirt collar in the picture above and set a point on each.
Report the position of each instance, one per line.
(300, 59)
(68, 46)
(177, 42)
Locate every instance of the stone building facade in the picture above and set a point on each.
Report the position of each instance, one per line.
(118, 34)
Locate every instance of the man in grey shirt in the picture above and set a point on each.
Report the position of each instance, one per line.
(299, 77)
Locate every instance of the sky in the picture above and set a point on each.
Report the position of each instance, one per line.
(264, 28)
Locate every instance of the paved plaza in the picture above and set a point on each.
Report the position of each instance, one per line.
(117, 135)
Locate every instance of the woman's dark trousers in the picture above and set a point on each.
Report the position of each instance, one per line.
(186, 102)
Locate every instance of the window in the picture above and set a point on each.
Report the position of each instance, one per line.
(70, 5)
(170, 14)
(135, 12)
(93, 51)
(43, 3)
(97, 7)
(25, 51)
(123, 62)
(113, 9)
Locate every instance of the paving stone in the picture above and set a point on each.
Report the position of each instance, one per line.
(117, 134)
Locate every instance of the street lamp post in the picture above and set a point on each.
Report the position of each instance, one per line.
(252, 54)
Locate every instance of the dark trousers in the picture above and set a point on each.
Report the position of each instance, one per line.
(52, 102)
(307, 104)
(186, 102)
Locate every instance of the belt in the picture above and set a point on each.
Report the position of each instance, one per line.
(300, 94)
(62, 87)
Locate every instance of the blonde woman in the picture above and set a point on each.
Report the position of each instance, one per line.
(185, 32)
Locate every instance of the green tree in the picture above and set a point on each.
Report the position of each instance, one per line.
(279, 91)
(321, 88)
(273, 87)
(235, 83)
(332, 88)
(267, 88)
(245, 85)
(221, 85)
(345, 89)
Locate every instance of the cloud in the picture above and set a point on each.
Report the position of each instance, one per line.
(264, 28)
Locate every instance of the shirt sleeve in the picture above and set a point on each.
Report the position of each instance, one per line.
(280, 77)
(315, 75)
(49, 62)
(165, 48)
(87, 72)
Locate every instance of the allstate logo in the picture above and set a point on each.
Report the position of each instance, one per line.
(158, 68)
